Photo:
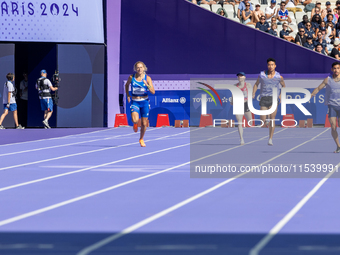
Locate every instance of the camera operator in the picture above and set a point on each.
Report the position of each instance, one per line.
(9, 101)
(44, 86)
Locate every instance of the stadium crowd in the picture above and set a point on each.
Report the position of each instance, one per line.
(317, 30)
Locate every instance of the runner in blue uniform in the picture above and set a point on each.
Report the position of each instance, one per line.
(269, 79)
(332, 99)
(140, 85)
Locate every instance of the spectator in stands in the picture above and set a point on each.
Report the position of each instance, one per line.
(273, 28)
(273, 20)
(330, 17)
(324, 11)
(337, 31)
(282, 14)
(263, 25)
(242, 7)
(337, 25)
(232, 2)
(300, 38)
(316, 9)
(330, 31)
(309, 44)
(209, 2)
(193, 1)
(336, 14)
(222, 12)
(323, 32)
(335, 50)
(335, 10)
(305, 3)
(256, 14)
(246, 15)
(284, 33)
(309, 31)
(322, 26)
(291, 5)
(302, 24)
(320, 40)
(270, 11)
(318, 48)
(316, 21)
(325, 36)
(317, 12)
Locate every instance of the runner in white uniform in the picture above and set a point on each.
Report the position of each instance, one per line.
(332, 99)
(241, 76)
(269, 79)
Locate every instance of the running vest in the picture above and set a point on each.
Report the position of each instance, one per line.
(244, 90)
(138, 88)
(332, 96)
(267, 84)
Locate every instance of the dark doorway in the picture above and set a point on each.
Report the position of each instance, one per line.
(32, 58)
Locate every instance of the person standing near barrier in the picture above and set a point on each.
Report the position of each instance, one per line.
(9, 102)
(23, 99)
(269, 79)
(332, 99)
(140, 85)
(243, 86)
(44, 86)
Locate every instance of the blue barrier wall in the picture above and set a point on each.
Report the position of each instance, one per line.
(185, 104)
(177, 37)
(81, 93)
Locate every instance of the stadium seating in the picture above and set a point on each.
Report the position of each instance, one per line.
(296, 18)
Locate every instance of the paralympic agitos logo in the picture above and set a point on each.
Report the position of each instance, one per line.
(212, 89)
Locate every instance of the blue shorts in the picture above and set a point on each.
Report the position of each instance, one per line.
(46, 104)
(141, 107)
(333, 111)
(12, 107)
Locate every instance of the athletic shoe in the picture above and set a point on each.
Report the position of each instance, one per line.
(242, 142)
(135, 128)
(46, 124)
(141, 141)
(2, 127)
(19, 127)
(337, 150)
(270, 142)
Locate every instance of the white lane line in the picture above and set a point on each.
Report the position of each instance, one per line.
(156, 216)
(51, 207)
(265, 240)
(85, 152)
(55, 138)
(106, 164)
(69, 144)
